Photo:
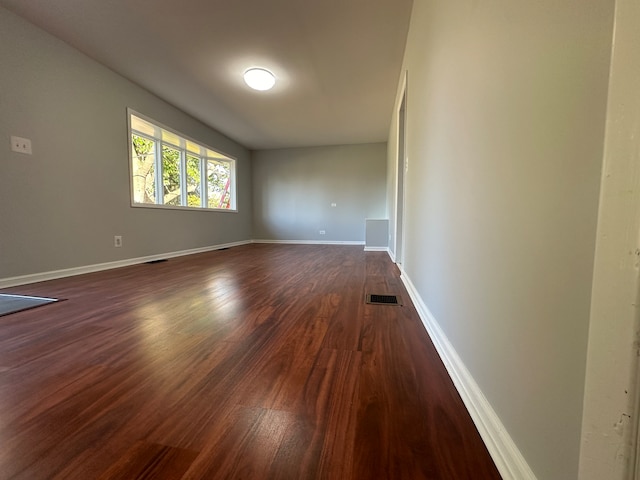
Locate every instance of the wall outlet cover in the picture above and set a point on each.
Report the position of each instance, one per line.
(21, 145)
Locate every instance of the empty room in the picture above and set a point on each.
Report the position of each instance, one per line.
(385, 239)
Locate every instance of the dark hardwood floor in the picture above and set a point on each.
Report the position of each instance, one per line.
(257, 362)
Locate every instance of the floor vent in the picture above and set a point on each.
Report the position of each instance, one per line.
(383, 299)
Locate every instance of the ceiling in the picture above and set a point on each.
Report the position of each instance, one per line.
(337, 62)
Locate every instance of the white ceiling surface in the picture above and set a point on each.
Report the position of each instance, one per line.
(337, 61)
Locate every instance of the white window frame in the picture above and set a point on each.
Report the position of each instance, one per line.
(206, 153)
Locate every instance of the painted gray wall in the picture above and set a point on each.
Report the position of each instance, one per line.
(293, 190)
(506, 111)
(61, 207)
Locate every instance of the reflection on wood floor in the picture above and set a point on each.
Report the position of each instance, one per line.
(257, 362)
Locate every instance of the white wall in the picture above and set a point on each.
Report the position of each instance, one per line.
(293, 190)
(506, 112)
(61, 207)
(612, 374)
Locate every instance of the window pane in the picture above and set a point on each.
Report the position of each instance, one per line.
(171, 175)
(193, 181)
(218, 183)
(142, 126)
(170, 137)
(143, 162)
(194, 148)
(215, 155)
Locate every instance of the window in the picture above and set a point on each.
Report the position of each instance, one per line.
(169, 170)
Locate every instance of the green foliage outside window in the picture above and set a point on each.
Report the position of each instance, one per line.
(144, 185)
(193, 181)
(171, 175)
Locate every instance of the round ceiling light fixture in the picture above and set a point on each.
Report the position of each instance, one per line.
(259, 79)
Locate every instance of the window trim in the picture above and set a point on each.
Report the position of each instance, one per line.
(184, 153)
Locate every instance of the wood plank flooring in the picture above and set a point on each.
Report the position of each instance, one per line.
(257, 362)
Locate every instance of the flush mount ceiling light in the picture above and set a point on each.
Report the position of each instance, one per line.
(259, 79)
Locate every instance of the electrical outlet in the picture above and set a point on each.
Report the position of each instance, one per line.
(117, 241)
(334, 204)
(21, 145)
(322, 232)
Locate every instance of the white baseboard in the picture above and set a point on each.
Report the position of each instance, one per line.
(376, 249)
(392, 255)
(506, 455)
(69, 272)
(309, 242)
